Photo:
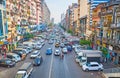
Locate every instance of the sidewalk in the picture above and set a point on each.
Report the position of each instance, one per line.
(109, 70)
(109, 65)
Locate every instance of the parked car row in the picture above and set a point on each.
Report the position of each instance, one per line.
(20, 53)
(88, 59)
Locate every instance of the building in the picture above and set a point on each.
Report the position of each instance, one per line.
(3, 22)
(96, 36)
(83, 17)
(110, 29)
(46, 13)
(67, 18)
(73, 16)
(93, 4)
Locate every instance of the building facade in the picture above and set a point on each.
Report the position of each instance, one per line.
(3, 21)
(46, 13)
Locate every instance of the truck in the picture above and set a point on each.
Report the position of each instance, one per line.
(24, 71)
(90, 56)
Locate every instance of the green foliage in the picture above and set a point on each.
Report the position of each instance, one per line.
(85, 42)
(104, 51)
(28, 35)
(70, 31)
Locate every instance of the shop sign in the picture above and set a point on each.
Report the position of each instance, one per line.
(1, 42)
(98, 42)
(104, 45)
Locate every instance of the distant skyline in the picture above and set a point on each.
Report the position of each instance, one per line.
(58, 7)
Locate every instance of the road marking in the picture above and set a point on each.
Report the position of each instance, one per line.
(50, 72)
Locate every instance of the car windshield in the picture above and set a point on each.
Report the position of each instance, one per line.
(83, 60)
(35, 53)
(8, 61)
(19, 76)
(87, 64)
(37, 59)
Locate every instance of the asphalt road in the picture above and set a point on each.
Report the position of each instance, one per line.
(53, 67)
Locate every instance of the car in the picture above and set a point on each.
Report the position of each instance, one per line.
(62, 45)
(13, 57)
(57, 45)
(64, 50)
(92, 66)
(38, 46)
(49, 51)
(26, 51)
(37, 61)
(57, 52)
(50, 42)
(20, 53)
(34, 54)
(7, 63)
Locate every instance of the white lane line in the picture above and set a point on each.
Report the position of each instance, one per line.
(51, 64)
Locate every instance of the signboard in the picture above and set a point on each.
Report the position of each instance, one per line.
(1, 42)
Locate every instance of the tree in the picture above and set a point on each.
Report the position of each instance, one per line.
(104, 51)
(70, 31)
(85, 42)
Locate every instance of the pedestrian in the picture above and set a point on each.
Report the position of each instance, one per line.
(105, 60)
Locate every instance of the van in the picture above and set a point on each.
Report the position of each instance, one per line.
(24, 71)
(13, 57)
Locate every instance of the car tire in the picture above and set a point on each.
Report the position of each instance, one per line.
(87, 69)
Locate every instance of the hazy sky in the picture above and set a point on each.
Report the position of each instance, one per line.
(57, 7)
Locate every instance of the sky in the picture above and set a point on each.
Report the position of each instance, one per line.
(57, 7)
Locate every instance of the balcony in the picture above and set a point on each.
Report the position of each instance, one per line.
(115, 26)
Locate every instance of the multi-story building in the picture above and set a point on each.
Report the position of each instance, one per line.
(83, 17)
(75, 12)
(110, 32)
(93, 4)
(46, 13)
(72, 16)
(96, 36)
(67, 18)
(3, 22)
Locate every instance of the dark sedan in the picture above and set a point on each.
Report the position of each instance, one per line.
(7, 63)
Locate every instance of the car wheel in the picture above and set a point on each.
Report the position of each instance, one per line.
(86, 69)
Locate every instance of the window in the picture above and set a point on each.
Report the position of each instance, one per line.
(94, 65)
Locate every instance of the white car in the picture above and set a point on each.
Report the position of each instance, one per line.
(35, 54)
(64, 50)
(38, 46)
(26, 51)
(92, 66)
(13, 57)
(57, 52)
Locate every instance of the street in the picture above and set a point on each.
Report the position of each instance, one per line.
(53, 67)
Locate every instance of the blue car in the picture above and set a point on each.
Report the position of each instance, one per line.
(37, 61)
(49, 51)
